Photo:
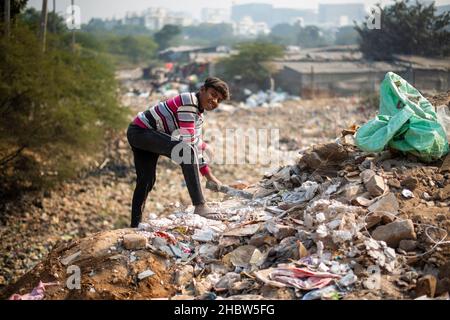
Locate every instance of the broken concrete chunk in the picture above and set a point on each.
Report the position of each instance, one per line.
(184, 275)
(408, 245)
(145, 274)
(394, 183)
(242, 256)
(280, 231)
(227, 280)
(203, 235)
(134, 241)
(71, 258)
(388, 203)
(375, 185)
(394, 232)
(242, 231)
(366, 175)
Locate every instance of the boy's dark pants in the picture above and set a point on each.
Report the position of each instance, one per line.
(147, 145)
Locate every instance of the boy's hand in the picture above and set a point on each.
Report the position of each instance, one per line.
(213, 179)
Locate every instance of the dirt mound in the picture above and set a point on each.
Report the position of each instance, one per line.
(107, 271)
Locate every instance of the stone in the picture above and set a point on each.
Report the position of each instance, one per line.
(145, 274)
(366, 175)
(394, 183)
(134, 241)
(280, 231)
(184, 275)
(409, 183)
(227, 280)
(271, 292)
(375, 186)
(388, 203)
(426, 286)
(408, 245)
(394, 232)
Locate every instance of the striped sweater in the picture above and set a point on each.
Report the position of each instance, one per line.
(181, 116)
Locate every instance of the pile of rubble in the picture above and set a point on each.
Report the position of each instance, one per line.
(340, 223)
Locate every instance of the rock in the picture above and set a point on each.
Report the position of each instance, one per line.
(227, 281)
(388, 203)
(271, 292)
(366, 175)
(375, 185)
(145, 274)
(201, 287)
(394, 232)
(280, 231)
(408, 245)
(409, 183)
(394, 183)
(426, 286)
(184, 275)
(134, 241)
(445, 167)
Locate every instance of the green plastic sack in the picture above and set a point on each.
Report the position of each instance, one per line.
(406, 122)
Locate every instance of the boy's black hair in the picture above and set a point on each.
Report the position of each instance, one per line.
(218, 85)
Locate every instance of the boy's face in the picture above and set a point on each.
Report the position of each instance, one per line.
(210, 98)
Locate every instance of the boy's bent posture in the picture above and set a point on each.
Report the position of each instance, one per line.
(154, 132)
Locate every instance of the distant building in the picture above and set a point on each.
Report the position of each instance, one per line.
(215, 15)
(156, 18)
(341, 14)
(246, 27)
(133, 19)
(341, 71)
(260, 12)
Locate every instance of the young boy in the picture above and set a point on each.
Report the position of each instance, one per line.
(154, 132)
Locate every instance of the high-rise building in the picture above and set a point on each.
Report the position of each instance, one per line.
(215, 15)
(260, 12)
(341, 14)
(156, 18)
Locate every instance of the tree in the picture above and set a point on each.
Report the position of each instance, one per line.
(347, 36)
(311, 37)
(164, 36)
(31, 17)
(248, 63)
(287, 33)
(406, 29)
(16, 7)
(209, 33)
(43, 24)
(54, 108)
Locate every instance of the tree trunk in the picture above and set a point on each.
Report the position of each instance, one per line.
(43, 32)
(7, 17)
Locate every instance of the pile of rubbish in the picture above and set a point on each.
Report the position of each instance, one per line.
(266, 99)
(317, 230)
(339, 223)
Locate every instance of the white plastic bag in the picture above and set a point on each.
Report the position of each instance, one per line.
(443, 117)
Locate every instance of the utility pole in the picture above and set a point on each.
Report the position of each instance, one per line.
(73, 25)
(7, 17)
(44, 17)
(54, 16)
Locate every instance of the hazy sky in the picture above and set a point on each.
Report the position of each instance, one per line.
(118, 8)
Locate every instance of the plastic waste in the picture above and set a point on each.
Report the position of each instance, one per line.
(406, 122)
